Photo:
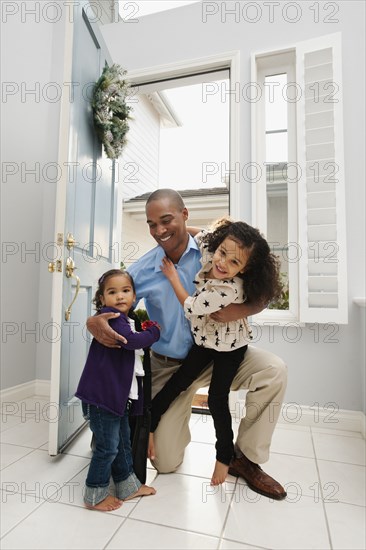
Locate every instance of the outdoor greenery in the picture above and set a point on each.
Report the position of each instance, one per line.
(282, 301)
(142, 314)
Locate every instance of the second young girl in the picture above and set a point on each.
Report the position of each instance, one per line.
(236, 266)
(110, 389)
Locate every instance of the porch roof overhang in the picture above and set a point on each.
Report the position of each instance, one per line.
(201, 203)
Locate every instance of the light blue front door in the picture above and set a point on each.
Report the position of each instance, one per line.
(91, 212)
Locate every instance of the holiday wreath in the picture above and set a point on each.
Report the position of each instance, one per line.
(110, 111)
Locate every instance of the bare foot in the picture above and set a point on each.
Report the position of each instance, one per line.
(144, 491)
(220, 473)
(107, 505)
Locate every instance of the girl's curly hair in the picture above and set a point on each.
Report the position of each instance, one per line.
(262, 273)
(102, 282)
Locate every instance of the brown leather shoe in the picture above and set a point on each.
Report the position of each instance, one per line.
(257, 480)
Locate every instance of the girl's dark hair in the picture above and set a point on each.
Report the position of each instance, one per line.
(102, 282)
(262, 273)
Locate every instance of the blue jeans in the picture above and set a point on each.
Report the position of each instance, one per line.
(112, 456)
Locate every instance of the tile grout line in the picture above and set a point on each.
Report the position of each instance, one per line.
(23, 519)
(116, 531)
(20, 458)
(220, 538)
(254, 546)
(181, 529)
(321, 492)
(229, 508)
(325, 459)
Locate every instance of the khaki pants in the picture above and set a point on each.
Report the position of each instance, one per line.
(262, 373)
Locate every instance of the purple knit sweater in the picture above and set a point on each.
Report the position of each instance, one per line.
(107, 375)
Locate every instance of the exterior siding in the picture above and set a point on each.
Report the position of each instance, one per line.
(139, 164)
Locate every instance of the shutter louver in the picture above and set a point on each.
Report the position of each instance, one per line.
(322, 269)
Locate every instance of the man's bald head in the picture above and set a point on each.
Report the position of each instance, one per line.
(173, 196)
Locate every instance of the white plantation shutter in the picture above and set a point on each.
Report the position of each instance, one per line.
(321, 186)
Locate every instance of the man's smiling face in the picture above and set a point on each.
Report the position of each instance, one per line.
(167, 225)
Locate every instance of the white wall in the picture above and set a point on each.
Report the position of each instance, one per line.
(327, 366)
(31, 60)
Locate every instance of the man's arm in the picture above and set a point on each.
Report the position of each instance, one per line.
(233, 312)
(99, 327)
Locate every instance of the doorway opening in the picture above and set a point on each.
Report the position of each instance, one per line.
(179, 138)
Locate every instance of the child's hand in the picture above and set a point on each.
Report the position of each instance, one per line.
(168, 269)
(147, 324)
(151, 447)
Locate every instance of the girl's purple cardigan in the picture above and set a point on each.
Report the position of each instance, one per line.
(107, 376)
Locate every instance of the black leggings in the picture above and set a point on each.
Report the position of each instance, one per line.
(225, 368)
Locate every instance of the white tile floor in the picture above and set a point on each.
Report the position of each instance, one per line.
(322, 470)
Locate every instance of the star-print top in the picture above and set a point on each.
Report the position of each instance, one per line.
(212, 295)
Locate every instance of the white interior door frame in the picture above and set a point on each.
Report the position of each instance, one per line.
(60, 212)
(227, 60)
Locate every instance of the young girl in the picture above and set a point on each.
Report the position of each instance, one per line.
(110, 389)
(236, 266)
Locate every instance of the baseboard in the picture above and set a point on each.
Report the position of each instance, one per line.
(292, 414)
(28, 389)
(42, 387)
(329, 418)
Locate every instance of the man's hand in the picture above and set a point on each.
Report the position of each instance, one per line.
(101, 330)
(233, 312)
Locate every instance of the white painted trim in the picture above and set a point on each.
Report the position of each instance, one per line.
(17, 393)
(43, 387)
(293, 414)
(321, 417)
(322, 313)
(254, 133)
(181, 68)
(274, 63)
(28, 389)
(61, 194)
(276, 318)
(236, 187)
(361, 302)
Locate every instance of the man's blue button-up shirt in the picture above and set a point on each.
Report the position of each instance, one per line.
(161, 303)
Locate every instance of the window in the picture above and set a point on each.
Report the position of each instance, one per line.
(275, 160)
(276, 197)
(299, 198)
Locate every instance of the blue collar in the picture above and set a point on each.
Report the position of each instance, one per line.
(160, 253)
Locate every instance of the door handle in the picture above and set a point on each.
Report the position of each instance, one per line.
(70, 241)
(69, 272)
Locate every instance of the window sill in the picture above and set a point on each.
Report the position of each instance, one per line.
(361, 302)
(276, 317)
